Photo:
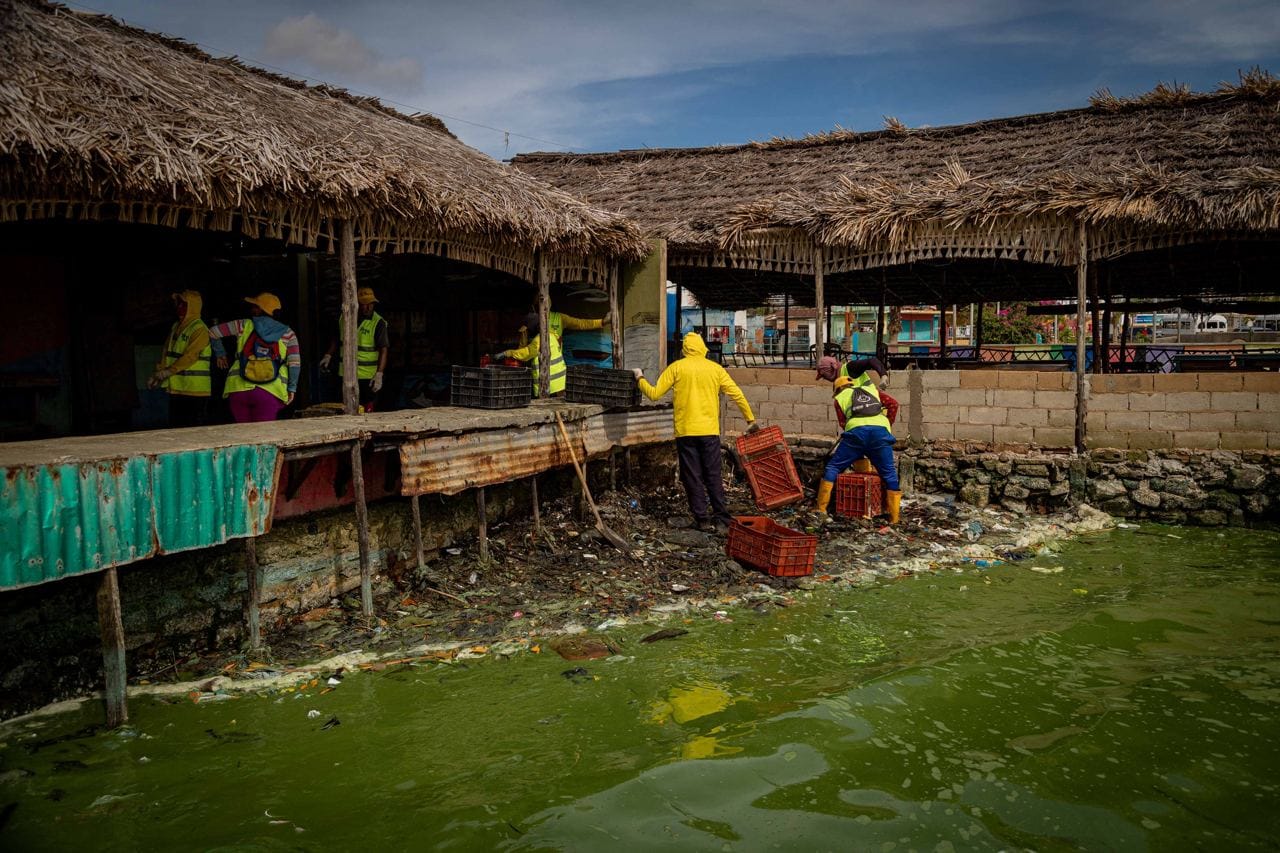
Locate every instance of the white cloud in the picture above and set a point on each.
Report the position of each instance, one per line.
(328, 49)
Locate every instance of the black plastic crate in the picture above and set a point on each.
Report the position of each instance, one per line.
(601, 386)
(493, 387)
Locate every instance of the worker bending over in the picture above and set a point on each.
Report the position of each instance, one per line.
(372, 343)
(697, 384)
(865, 435)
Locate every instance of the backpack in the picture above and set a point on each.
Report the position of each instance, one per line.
(863, 404)
(260, 360)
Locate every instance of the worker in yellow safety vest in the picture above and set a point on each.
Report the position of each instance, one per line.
(866, 434)
(183, 369)
(372, 344)
(266, 365)
(529, 354)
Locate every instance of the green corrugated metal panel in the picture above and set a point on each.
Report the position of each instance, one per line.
(209, 497)
(68, 519)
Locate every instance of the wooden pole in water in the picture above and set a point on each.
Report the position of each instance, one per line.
(544, 329)
(414, 504)
(252, 592)
(362, 530)
(113, 664)
(347, 262)
(537, 512)
(819, 299)
(615, 318)
(482, 525)
(1082, 297)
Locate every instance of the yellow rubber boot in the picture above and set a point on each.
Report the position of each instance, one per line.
(863, 466)
(824, 496)
(894, 499)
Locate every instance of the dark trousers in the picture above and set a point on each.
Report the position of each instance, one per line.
(185, 411)
(700, 472)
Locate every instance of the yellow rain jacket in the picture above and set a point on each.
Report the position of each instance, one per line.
(697, 383)
(186, 352)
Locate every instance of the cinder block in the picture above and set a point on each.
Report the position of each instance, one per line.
(900, 430)
(1147, 401)
(1170, 420)
(1197, 439)
(1028, 417)
(787, 425)
(742, 375)
(1013, 435)
(1273, 441)
(979, 378)
(1061, 417)
(1268, 401)
(939, 414)
(775, 411)
(814, 412)
(933, 397)
(1258, 421)
(1056, 400)
(1174, 382)
(940, 378)
(1187, 401)
(1095, 421)
(1211, 421)
(973, 432)
(1244, 441)
(1020, 380)
(939, 432)
(819, 427)
(967, 397)
(987, 415)
(1099, 402)
(784, 394)
(1015, 399)
(1220, 381)
(1122, 383)
(816, 393)
(1052, 380)
(1128, 421)
(1265, 382)
(1234, 401)
(1055, 437)
(1103, 438)
(1151, 439)
(801, 376)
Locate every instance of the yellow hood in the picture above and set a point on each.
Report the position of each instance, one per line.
(693, 346)
(194, 306)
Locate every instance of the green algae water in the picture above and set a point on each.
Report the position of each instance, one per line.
(1129, 701)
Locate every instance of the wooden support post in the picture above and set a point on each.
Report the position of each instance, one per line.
(613, 469)
(1095, 323)
(347, 262)
(615, 317)
(113, 665)
(1082, 278)
(679, 319)
(705, 334)
(1125, 360)
(252, 592)
(626, 459)
(880, 349)
(977, 330)
(537, 512)
(482, 525)
(544, 329)
(819, 301)
(786, 328)
(415, 505)
(362, 530)
(1106, 327)
(942, 331)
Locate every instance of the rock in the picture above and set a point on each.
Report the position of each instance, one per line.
(976, 494)
(1062, 487)
(1256, 504)
(680, 522)
(1210, 518)
(1224, 500)
(1015, 491)
(586, 647)
(1033, 470)
(1117, 506)
(1034, 484)
(1108, 455)
(1017, 507)
(1179, 485)
(687, 538)
(1247, 477)
(1104, 489)
(1146, 497)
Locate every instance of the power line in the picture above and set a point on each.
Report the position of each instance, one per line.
(211, 49)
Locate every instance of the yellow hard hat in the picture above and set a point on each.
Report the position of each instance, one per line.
(365, 296)
(841, 383)
(268, 302)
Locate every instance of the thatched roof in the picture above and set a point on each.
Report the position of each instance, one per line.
(103, 120)
(1141, 172)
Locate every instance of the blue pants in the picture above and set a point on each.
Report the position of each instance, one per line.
(874, 443)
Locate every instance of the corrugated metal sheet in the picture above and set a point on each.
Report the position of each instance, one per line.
(449, 464)
(71, 518)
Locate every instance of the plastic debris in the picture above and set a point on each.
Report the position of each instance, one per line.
(664, 634)
(312, 714)
(332, 722)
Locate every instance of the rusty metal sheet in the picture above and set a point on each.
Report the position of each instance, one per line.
(449, 464)
(70, 518)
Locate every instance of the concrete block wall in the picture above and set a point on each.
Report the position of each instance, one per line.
(1210, 411)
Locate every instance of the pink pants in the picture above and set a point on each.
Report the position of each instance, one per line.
(254, 405)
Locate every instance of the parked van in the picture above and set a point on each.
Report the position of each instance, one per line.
(1216, 323)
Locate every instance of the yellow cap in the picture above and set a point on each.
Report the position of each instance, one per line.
(268, 302)
(365, 296)
(841, 383)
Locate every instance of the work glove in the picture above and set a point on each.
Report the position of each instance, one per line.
(157, 379)
(504, 354)
(754, 426)
(637, 373)
(325, 362)
(375, 384)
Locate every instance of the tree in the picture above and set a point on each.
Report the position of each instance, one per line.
(1011, 326)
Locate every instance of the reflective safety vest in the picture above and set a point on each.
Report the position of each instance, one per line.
(556, 323)
(558, 370)
(366, 352)
(845, 401)
(278, 387)
(195, 380)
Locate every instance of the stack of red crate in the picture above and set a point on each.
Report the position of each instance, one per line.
(758, 541)
(770, 469)
(859, 495)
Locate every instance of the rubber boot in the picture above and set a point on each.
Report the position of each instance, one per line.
(863, 466)
(824, 496)
(894, 499)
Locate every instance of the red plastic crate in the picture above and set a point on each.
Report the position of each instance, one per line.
(859, 495)
(755, 540)
(770, 469)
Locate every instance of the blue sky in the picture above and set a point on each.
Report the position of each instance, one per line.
(593, 76)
